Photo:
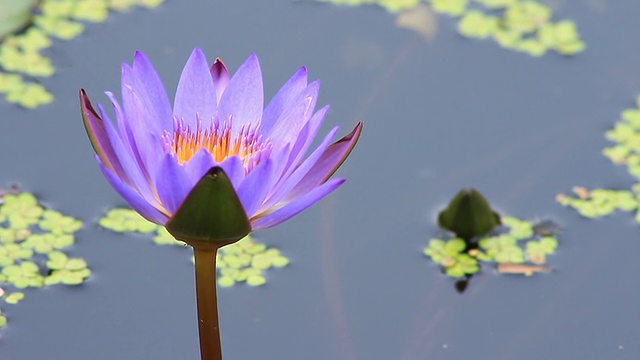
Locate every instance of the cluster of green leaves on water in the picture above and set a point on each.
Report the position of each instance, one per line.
(33, 240)
(22, 62)
(243, 261)
(626, 151)
(520, 25)
(515, 242)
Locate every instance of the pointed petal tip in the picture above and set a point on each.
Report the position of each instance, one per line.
(353, 136)
(139, 55)
(219, 69)
(252, 61)
(197, 51)
(315, 83)
(198, 54)
(218, 63)
(86, 107)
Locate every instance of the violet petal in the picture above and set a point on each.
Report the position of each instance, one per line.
(121, 121)
(133, 198)
(172, 184)
(198, 165)
(305, 138)
(283, 99)
(157, 96)
(131, 175)
(252, 191)
(288, 183)
(148, 145)
(328, 163)
(220, 76)
(98, 136)
(195, 95)
(242, 100)
(234, 168)
(293, 119)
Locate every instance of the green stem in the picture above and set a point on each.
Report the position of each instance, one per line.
(210, 346)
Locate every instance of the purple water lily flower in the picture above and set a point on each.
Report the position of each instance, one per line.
(155, 155)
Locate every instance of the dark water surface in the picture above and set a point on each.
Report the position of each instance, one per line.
(438, 117)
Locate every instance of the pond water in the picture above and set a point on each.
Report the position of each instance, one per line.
(439, 116)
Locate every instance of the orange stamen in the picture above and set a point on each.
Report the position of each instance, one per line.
(248, 144)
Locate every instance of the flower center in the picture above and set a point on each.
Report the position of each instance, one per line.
(219, 141)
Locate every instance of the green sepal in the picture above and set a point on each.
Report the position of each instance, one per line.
(468, 215)
(211, 215)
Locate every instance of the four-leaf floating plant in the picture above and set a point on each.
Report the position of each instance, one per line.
(217, 165)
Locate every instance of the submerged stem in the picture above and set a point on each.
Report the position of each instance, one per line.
(205, 264)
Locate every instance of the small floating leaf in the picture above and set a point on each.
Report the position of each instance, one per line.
(256, 280)
(126, 220)
(14, 298)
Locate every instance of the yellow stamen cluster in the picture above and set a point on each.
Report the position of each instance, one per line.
(219, 141)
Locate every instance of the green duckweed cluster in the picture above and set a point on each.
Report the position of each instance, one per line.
(519, 25)
(625, 135)
(244, 261)
(515, 242)
(33, 240)
(22, 62)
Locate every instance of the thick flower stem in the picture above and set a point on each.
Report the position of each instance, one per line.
(210, 346)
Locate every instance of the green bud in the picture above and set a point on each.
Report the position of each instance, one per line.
(211, 215)
(468, 215)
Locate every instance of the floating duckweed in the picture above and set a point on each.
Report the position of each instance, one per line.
(562, 37)
(126, 220)
(599, 202)
(57, 223)
(279, 261)
(21, 61)
(450, 7)
(451, 256)
(238, 262)
(65, 270)
(226, 281)
(24, 275)
(14, 298)
(11, 253)
(398, 5)
(532, 47)
(514, 242)
(538, 250)
(30, 237)
(520, 25)
(21, 210)
(503, 249)
(475, 24)
(47, 242)
(526, 16)
(518, 229)
(256, 280)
